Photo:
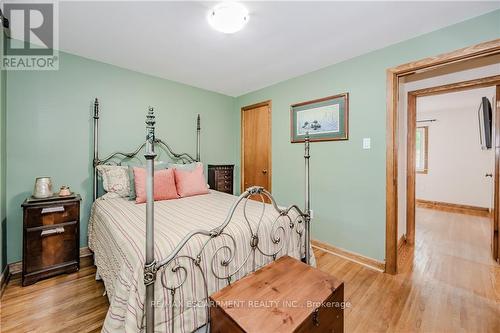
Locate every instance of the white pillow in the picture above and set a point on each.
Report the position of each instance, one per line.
(115, 179)
(186, 167)
(109, 195)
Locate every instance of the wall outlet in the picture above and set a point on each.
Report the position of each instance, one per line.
(367, 143)
(311, 213)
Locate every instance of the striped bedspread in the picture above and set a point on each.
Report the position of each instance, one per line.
(117, 237)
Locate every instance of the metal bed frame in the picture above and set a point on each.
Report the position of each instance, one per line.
(173, 273)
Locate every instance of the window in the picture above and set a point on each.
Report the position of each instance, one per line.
(421, 143)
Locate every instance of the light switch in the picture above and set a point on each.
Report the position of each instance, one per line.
(367, 143)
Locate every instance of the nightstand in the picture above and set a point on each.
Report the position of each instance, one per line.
(51, 237)
(220, 177)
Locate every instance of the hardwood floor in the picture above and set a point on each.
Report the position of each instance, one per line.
(451, 284)
(65, 303)
(455, 283)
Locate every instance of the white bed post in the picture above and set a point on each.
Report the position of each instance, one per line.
(150, 264)
(198, 129)
(307, 201)
(96, 149)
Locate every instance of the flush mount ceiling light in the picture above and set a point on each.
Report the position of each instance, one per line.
(228, 17)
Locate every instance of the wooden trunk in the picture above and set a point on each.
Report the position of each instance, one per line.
(284, 296)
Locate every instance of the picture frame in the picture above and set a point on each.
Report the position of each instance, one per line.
(324, 119)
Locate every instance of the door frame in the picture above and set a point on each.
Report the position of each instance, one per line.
(392, 130)
(267, 103)
(491, 81)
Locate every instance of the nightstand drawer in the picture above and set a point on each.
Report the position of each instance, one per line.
(224, 184)
(228, 188)
(223, 172)
(49, 215)
(50, 246)
(226, 175)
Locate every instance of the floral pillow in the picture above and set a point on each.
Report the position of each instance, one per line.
(115, 179)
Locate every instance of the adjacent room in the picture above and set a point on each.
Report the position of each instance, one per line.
(249, 166)
(454, 166)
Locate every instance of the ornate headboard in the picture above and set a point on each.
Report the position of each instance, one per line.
(117, 157)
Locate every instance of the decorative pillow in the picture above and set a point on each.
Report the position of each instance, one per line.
(131, 179)
(158, 166)
(164, 185)
(190, 183)
(115, 179)
(189, 166)
(109, 195)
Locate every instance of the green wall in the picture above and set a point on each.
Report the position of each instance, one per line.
(49, 127)
(348, 183)
(3, 161)
(48, 131)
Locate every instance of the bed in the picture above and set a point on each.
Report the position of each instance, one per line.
(160, 261)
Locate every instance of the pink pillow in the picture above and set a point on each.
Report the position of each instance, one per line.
(164, 185)
(190, 183)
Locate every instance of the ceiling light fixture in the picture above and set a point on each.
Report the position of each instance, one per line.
(228, 17)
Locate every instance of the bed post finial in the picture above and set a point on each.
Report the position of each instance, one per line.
(307, 146)
(307, 221)
(150, 264)
(198, 131)
(96, 108)
(95, 161)
(150, 129)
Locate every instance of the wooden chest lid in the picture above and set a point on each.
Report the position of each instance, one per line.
(280, 296)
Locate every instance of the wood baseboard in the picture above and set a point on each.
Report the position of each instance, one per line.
(351, 256)
(4, 279)
(85, 252)
(454, 208)
(401, 241)
(17, 267)
(405, 255)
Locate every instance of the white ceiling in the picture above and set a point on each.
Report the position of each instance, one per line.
(282, 40)
(453, 101)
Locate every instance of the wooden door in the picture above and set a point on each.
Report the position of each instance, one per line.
(495, 242)
(411, 169)
(256, 146)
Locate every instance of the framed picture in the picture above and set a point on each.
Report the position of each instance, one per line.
(325, 119)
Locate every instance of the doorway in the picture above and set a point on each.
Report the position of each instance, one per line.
(481, 198)
(256, 146)
(450, 170)
(394, 75)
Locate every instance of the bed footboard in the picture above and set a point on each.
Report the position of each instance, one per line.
(225, 256)
(221, 255)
